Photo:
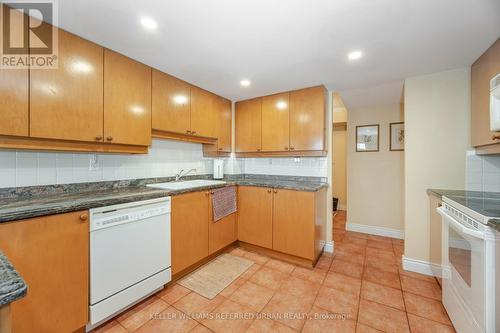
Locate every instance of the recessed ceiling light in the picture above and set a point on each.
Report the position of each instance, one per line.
(355, 55)
(148, 23)
(245, 83)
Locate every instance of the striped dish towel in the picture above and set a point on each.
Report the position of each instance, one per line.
(223, 202)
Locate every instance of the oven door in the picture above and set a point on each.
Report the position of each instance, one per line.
(464, 274)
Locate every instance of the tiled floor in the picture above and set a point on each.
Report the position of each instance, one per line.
(360, 289)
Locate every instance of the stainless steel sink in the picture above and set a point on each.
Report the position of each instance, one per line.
(188, 184)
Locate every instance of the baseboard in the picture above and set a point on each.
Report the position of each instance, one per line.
(329, 246)
(341, 207)
(422, 267)
(379, 231)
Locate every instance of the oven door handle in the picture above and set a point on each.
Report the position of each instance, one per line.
(460, 226)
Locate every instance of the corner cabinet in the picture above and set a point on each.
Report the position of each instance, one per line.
(285, 124)
(482, 71)
(52, 255)
(248, 126)
(127, 100)
(223, 125)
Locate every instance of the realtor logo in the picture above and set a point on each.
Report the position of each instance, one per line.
(29, 35)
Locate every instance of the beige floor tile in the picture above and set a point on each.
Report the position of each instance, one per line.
(230, 317)
(322, 321)
(269, 278)
(382, 317)
(288, 310)
(343, 283)
(422, 325)
(142, 316)
(421, 287)
(383, 295)
(169, 321)
(337, 301)
(173, 293)
(426, 308)
(252, 295)
(195, 304)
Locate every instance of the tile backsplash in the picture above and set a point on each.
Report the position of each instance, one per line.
(165, 158)
(483, 172)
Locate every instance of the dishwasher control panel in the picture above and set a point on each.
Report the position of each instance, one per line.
(105, 217)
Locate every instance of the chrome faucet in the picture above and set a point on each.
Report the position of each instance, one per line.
(180, 174)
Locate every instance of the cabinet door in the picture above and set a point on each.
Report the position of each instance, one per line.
(255, 215)
(224, 125)
(275, 122)
(189, 223)
(307, 119)
(221, 233)
(127, 100)
(67, 103)
(51, 254)
(14, 89)
(248, 125)
(293, 223)
(171, 103)
(482, 71)
(203, 114)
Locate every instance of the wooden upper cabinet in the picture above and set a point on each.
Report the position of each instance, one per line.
(127, 100)
(294, 223)
(52, 255)
(67, 103)
(14, 89)
(307, 119)
(482, 71)
(189, 224)
(248, 125)
(203, 114)
(255, 215)
(276, 122)
(224, 125)
(171, 103)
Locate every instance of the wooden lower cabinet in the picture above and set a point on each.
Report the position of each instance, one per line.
(288, 221)
(189, 229)
(220, 233)
(293, 223)
(255, 216)
(52, 255)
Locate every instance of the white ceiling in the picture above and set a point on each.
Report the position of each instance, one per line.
(287, 44)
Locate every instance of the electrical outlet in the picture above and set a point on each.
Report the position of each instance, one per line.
(296, 159)
(94, 162)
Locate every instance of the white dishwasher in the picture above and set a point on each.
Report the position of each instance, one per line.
(129, 255)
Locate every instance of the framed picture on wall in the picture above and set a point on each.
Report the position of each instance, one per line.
(367, 138)
(397, 136)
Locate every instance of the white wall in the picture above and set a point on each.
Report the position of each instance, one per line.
(437, 120)
(375, 180)
(483, 172)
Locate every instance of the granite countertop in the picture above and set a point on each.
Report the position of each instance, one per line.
(12, 286)
(484, 203)
(24, 203)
